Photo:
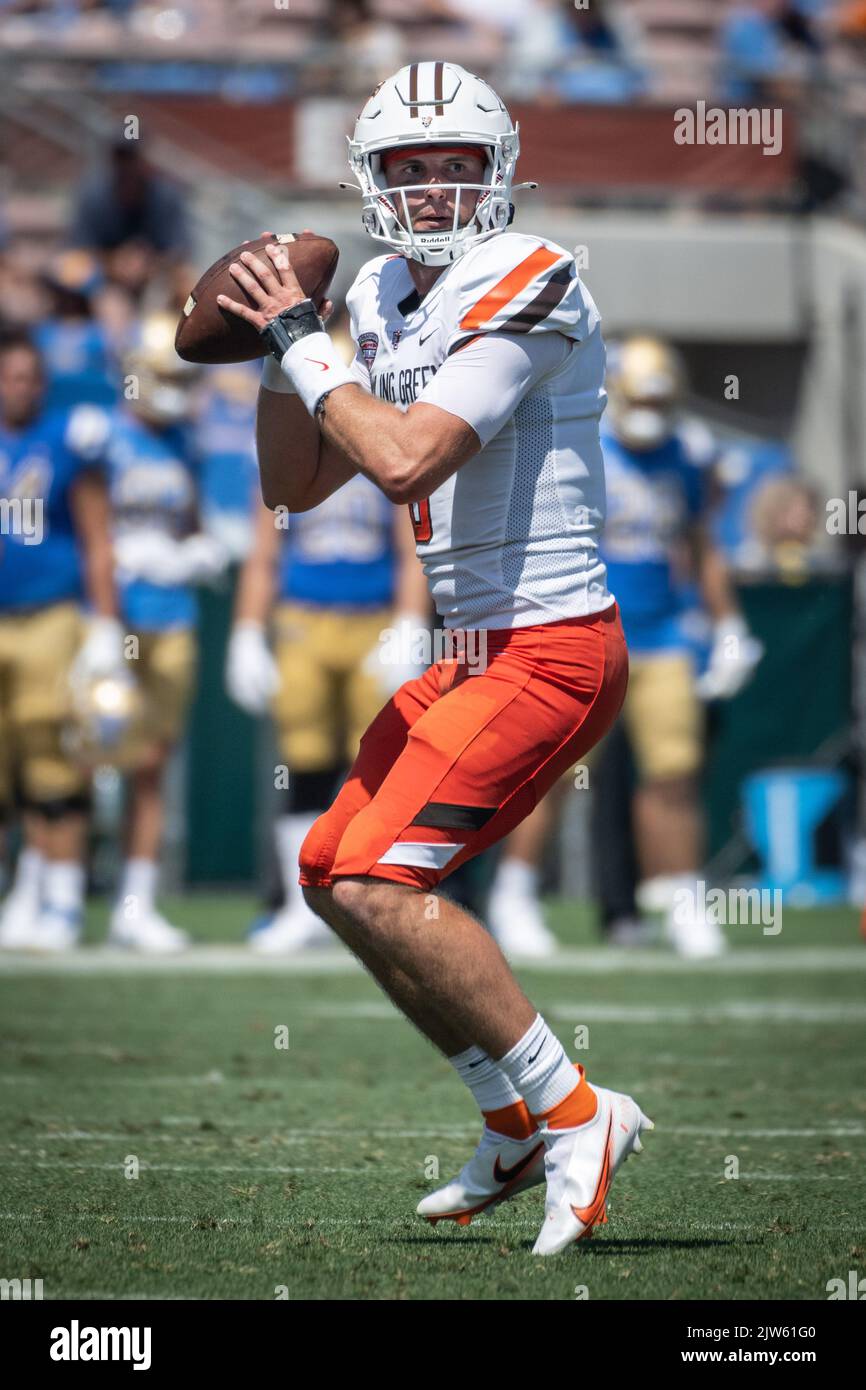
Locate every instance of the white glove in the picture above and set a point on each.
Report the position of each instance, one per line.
(154, 556)
(205, 556)
(100, 654)
(252, 675)
(400, 654)
(733, 658)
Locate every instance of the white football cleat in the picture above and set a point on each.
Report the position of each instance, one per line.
(147, 932)
(499, 1169)
(56, 930)
(517, 925)
(291, 929)
(18, 922)
(694, 934)
(580, 1165)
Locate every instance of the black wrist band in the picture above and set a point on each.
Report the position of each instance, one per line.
(290, 326)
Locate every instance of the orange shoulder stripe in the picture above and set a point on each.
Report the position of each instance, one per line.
(508, 287)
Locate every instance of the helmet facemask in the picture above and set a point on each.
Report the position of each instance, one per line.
(385, 209)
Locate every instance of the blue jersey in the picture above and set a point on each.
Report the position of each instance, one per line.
(153, 489)
(40, 561)
(652, 497)
(78, 362)
(225, 442)
(341, 553)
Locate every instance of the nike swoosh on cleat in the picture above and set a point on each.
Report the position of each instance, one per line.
(588, 1216)
(501, 1174)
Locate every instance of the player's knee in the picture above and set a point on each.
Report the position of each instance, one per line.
(318, 899)
(351, 897)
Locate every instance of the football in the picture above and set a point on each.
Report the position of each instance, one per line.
(208, 334)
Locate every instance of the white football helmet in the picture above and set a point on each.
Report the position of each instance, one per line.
(438, 104)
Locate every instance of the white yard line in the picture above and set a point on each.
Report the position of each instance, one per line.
(450, 1133)
(577, 1011)
(239, 960)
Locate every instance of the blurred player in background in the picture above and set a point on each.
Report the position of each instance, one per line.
(78, 353)
(160, 554)
(55, 556)
(657, 475)
(337, 579)
(657, 471)
(225, 444)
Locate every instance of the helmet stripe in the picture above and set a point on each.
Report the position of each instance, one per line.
(413, 90)
(437, 88)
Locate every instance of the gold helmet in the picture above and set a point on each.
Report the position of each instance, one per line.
(645, 384)
(106, 712)
(156, 382)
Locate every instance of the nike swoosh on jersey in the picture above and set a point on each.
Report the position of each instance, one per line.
(501, 1174)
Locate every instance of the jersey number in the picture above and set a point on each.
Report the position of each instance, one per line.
(421, 523)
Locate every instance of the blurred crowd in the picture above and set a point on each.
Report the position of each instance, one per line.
(554, 50)
(128, 481)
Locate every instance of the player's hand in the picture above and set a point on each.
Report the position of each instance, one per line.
(252, 675)
(100, 654)
(272, 288)
(735, 654)
(396, 657)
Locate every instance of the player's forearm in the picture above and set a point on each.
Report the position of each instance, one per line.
(90, 508)
(288, 443)
(717, 590)
(99, 578)
(255, 590)
(405, 453)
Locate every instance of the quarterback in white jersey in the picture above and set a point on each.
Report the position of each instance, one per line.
(513, 539)
(474, 398)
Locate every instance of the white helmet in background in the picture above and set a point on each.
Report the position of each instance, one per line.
(645, 385)
(434, 104)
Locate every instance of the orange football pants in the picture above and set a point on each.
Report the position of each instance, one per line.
(454, 761)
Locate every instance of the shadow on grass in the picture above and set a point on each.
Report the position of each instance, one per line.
(602, 1247)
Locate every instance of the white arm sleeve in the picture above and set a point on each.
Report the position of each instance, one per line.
(484, 382)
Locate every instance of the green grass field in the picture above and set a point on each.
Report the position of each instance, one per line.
(263, 1168)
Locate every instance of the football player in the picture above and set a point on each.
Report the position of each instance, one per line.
(55, 556)
(474, 399)
(657, 469)
(160, 553)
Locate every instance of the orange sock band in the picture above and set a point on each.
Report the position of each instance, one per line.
(578, 1106)
(514, 1121)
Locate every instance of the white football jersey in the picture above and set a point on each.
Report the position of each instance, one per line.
(511, 538)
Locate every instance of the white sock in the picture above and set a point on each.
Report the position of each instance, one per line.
(290, 832)
(28, 874)
(63, 886)
(137, 894)
(539, 1069)
(490, 1086)
(516, 878)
